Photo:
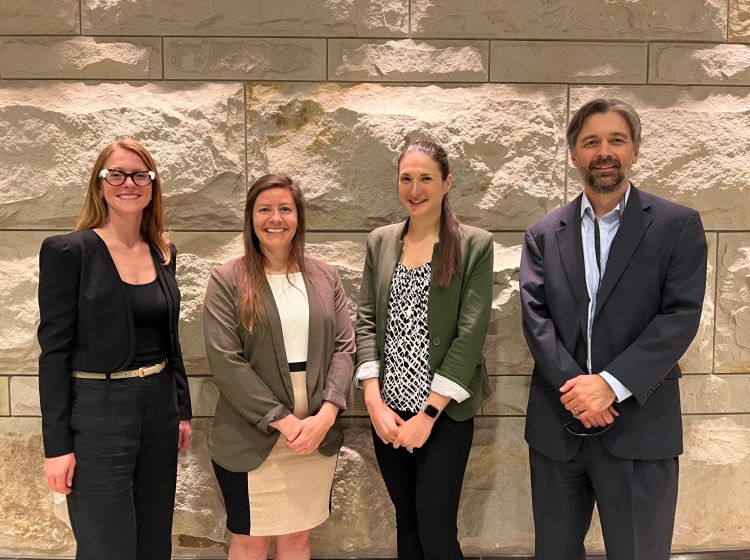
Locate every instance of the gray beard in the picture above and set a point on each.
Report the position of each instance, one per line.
(603, 185)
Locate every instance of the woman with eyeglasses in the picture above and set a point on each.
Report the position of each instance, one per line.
(280, 344)
(113, 389)
(424, 309)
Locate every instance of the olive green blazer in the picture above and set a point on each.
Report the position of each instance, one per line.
(457, 315)
(252, 371)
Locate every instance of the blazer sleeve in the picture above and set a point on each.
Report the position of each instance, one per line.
(238, 382)
(59, 276)
(366, 336)
(552, 359)
(175, 361)
(643, 365)
(342, 363)
(465, 351)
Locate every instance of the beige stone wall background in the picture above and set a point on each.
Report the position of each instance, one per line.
(330, 91)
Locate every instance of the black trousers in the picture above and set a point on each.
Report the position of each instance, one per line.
(425, 488)
(125, 437)
(636, 501)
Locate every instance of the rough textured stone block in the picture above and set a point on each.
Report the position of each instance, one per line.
(39, 16)
(407, 60)
(24, 396)
(713, 508)
(510, 395)
(544, 61)
(27, 520)
(732, 346)
(4, 396)
(699, 64)
(53, 132)
(505, 144)
(571, 19)
(19, 310)
(359, 18)
(695, 142)
(699, 356)
(203, 395)
(82, 58)
(244, 59)
(739, 20)
(715, 394)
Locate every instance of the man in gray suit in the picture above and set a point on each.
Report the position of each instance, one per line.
(612, 287)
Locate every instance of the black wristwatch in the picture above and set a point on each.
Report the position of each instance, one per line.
(431, 411)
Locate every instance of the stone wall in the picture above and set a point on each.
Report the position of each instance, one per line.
(330, 91)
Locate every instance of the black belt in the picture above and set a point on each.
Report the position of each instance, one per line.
(297, 366)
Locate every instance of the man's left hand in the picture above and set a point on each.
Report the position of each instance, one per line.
(587, 396)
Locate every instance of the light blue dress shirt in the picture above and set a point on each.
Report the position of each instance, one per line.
(608, 226)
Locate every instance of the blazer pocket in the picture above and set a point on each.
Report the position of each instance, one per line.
(650, 260)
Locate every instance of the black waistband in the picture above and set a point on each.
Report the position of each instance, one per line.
(297, 366)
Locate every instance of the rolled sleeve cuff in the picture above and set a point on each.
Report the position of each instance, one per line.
(620, 390)
(447, 388)
(276, 413)
(366, 370)
(335, 398)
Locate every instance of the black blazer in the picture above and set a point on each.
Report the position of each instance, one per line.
(86, 324)
(648, 311)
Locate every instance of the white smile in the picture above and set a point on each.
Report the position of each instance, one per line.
(275, 230)
(128, 196)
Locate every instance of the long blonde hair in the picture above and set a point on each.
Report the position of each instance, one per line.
(94, 211)
(252, 272)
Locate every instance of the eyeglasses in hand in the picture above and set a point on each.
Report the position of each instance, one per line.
(577, 428)
(115, 177)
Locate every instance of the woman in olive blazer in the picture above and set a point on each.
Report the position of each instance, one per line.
(423, 314)
(281, 348)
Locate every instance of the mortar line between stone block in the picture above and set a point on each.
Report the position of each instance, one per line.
(648, 62)
(716, 304)
(728, 17)
(80, 17)
(328, 76)
(163, 61)
(565, 158)
(489, 60)
(244, 122)
(408, 16)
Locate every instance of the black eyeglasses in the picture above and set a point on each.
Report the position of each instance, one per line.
(115, 177)
(576, 428)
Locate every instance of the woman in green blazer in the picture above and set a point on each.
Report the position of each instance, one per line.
(423, 314)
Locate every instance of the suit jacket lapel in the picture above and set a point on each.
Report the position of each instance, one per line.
(390, 253)
(315, 333)
(277, 336)
(570, 244)
(635, 222)
(170, 296)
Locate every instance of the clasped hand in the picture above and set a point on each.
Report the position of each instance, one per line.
(391, 428)
(589, 398)
(305, 435)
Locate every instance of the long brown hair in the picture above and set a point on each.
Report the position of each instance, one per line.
(94, 211)
(449, 256)
(252, 273)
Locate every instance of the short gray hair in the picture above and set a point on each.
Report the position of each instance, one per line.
(602, 105)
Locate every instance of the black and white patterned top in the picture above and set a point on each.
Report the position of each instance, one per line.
(407, 379)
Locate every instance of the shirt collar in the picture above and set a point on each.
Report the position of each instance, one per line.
(620, 208)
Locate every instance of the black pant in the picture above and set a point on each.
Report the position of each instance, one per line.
(125, 439)
(425, 488)
(636, 501)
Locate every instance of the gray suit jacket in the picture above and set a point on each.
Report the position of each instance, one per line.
(252, 371)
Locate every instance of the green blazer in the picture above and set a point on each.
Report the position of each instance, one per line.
(252, 371)
(457, 315)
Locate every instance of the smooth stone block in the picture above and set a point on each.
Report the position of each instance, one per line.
(406, 60)
(24, 396)
(104, 58)
(25, 17)
(571, 19)
(4, 396)
(214, 58)
(240, 18)
(695, 142)
(715, 394)
(193, 130)
(699, 356)
(732, 346)
(568, 62)
(203, 395)
(505, 144)
(675, 63)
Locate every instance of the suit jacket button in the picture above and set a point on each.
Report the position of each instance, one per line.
(436, 341)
